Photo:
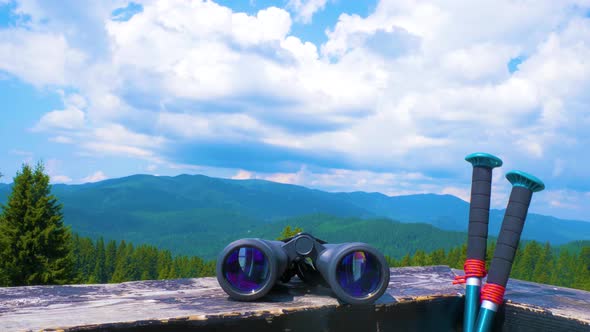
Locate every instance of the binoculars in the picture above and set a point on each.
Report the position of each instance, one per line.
(357, 273)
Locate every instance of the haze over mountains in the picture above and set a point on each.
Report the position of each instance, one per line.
(195, 214)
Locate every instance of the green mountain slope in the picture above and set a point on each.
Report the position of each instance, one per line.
(196, 215)
(395, 239)
(574, 246)
(158, 194)
(451, 213)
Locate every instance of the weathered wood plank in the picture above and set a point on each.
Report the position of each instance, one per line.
(201, 301)
(559, 301)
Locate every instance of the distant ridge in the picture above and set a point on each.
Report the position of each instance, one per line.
(451, 213)
(193, 208)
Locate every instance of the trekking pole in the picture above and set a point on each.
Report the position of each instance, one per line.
(523, 186)
(479, 215)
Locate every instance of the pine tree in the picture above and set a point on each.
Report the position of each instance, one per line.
(420, 259)
(437, 257)
(563, 274)
(123, 269)
(544, 266)
(164, 264)
(525, 267)
(208, 269)
(454, 258)
(406, 261)
(392, 262)
(35, 246)
(85, 259)
(99, 275)
(584, 265)
(517, 266)
(585, 258)
(198, 265)
(289, 232)
(110, 259)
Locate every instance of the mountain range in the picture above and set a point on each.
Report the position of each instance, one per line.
(196, 214)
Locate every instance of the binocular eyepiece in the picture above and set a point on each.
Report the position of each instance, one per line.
(357, 273)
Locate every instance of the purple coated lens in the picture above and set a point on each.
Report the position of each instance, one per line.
(246, 269)
(359, 273)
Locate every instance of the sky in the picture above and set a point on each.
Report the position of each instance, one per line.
(377, 96)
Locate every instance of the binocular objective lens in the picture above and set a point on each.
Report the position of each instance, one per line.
(246, 269)
(359, 273)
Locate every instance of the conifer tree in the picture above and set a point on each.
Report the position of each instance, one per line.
(420, 259)
(437, 257)
(454, 258)
(208, 269)
(585, 258)
(392, 262)
(99, 275)
(584, 268)
(563, 274)
(35, 246)
(544, 266)
(406, 260)
(110, 259)
(525, 265)
(164, 264)
(533, 262)
(85, 259)
(123, 263)
(289, 232)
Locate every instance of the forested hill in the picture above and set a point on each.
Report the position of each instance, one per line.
(451, 213)
(189, 212)
(100, 262)
(393, 238)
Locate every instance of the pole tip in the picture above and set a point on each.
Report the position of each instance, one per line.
(522, 179)
(481, 159)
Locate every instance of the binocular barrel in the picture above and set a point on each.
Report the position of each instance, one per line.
(523, 186)
(357, 273)
(479, 215)
(247, 269)
(341, 266)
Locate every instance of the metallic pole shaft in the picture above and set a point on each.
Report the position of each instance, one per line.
(523, 186)
(479, 214)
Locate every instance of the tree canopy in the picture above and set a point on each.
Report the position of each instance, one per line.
(533, 262)
(288, 232)
(35, 246)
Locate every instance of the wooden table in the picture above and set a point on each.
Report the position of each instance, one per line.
(418, 298)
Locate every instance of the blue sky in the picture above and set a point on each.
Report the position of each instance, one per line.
(384, 96)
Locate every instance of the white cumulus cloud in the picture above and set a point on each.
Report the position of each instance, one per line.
(39, 58)
(304, 9)
(410, 88)
(95, 177)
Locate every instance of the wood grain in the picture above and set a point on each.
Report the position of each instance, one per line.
(202, 302)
